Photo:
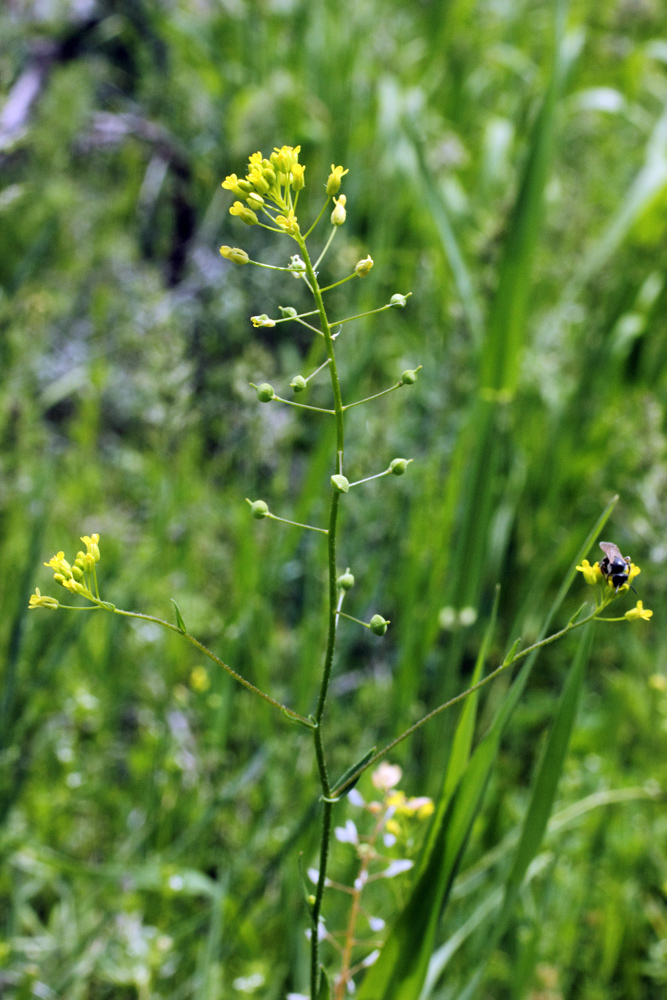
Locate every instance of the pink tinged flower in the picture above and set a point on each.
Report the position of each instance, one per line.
(386, 776)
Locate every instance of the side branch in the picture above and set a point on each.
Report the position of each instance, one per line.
(290, 713)
(352, 778)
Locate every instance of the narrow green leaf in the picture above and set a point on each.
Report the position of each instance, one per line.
(179, 616)
(350, 771)
(324, 992)
(463, 736)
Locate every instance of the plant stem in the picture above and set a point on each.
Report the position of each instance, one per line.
(327, 809)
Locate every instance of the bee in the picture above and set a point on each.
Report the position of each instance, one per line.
(614, 566)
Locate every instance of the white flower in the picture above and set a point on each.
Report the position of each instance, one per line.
(347, 834)
(396, 868)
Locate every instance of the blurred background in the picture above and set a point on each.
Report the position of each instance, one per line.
(508, 166)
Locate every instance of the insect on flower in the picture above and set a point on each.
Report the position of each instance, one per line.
(614, 566)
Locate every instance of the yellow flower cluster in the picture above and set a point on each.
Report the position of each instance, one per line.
(274, 183)
(273, 179)
(76, 578)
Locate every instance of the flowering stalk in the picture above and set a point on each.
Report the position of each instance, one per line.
(268, 196)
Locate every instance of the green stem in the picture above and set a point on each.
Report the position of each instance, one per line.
(303, 406)
(297, 524)
(368, 398)
(207, 652)
(327, 809)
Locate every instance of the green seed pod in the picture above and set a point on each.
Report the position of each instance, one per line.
(378, 625)
(289, 312)
(265, 392)
(409, 377)
(345, 580)
(340, 484)
(298, 383)
(399, 301)
(259, 508)
(398, 466)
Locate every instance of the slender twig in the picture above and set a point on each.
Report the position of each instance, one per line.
(384, 392)
(303, 406)
(207, 652)
(297, 524)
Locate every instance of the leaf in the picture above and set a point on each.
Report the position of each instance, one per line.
(350, 771)
(324, 992)
(179, 616)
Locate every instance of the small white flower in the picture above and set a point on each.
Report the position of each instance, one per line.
(376, 923)
(371, 959)
(347, 834)
(396, 868)
(355, 798)
(389, 839)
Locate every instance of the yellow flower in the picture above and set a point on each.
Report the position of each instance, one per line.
(592, 574)
(393, 827)
(288, 222)
(59, 564)
(334, 179)
(638, 612)
(92, 545)
(633, 572)
(244, 213)
(37, 601)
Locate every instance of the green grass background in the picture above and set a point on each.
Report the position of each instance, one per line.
(508, 165)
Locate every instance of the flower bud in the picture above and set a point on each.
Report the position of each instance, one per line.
(298, 383)
(298, 179)
(254, 200)
(245, 214)
(297, 266)
(259, 508)
(340, 484)
(378, 625)
(398, 301)
(362, 267)
(345, 580)
(265, 392)
(77, 572)
(334, 179)
(398, 466)
(409, 377)
(235, 254)
(338, 214)
(289, 312)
